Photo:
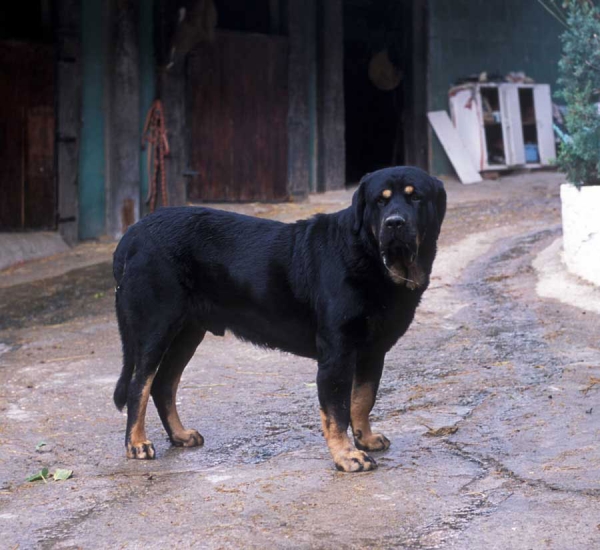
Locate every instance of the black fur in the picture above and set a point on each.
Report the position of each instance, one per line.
(317, 288)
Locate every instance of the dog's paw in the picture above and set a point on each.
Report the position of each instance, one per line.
(141, 451)
(372, 442)
(354, 461)
(187, 438)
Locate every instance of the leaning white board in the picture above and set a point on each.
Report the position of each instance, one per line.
(454, 147)
(542, 99)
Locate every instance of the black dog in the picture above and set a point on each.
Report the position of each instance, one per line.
(340, 288)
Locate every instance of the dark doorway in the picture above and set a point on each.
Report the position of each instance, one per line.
(238, 105)
(27, 122)
(248, 16)
(384, 84)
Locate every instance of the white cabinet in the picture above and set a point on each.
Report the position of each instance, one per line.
(504, 125)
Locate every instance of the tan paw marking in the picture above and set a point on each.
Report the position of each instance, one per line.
(187, 438)
(141, 451)
(354, 461)
(372, 442)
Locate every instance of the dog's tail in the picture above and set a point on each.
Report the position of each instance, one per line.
(120, 258)
(122, 388)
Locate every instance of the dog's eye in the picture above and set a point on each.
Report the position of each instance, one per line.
(382, 201)
(414, 197)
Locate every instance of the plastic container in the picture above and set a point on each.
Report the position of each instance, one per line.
(531, 153)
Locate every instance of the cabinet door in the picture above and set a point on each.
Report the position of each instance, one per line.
(543, 119)
(464, 110)
(511, 124)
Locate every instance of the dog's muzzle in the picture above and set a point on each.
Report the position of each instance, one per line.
(398, 239)
(399, 248)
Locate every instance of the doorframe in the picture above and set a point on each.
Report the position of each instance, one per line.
(416, 133)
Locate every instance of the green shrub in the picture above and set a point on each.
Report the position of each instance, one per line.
(579, 82)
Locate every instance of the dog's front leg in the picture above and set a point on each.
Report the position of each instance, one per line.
(364, 391)
(334, 382)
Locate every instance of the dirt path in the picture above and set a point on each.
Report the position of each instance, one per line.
(490, 400)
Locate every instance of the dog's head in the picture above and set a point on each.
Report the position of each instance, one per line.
(400, 210)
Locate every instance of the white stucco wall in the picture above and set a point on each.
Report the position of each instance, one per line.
(581, 230)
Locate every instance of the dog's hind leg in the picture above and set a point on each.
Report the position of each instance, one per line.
(148, 357)
(164, 387)
(364, 391)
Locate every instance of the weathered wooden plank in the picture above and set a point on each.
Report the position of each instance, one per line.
(172, 92)
(301, 63)
(68, 115)
(39, 208)
(416, 141)
(331, 171)
(123, 189)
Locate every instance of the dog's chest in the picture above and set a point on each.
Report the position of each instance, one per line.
(379, 321)
(386, 322)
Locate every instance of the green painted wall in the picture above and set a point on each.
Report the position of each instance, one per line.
(498, 36)
(93, 156)
(92, 160)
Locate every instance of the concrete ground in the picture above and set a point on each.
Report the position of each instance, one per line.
(490, 401)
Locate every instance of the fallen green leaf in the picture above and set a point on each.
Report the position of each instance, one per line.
(310, 384)
(43, 474)
(62, 475)
(40, 445)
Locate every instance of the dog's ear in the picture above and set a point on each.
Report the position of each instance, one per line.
(440, 202)
(358, 204)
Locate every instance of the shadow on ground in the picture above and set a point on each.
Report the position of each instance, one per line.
(77, 293)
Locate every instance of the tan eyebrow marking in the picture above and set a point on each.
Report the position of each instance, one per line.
(408, 189)
(387, 194)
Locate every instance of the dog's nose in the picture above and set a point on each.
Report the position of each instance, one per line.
(394, 222)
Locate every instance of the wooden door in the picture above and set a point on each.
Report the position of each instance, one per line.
(238, 103)
(39, 206)
(512, 125)
(27, 177)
